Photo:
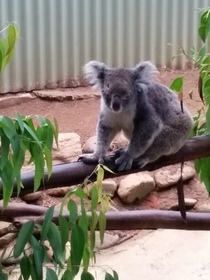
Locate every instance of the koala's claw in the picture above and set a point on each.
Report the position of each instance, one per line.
(124, 161)
(142, 161)
(88, 158)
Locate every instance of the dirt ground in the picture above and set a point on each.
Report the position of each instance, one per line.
(81, 116)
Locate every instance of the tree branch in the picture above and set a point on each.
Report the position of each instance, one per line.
(75, 173)
(122, 220)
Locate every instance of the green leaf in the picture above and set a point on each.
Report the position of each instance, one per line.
(116, 277)
(67, 275)
(51, 275)
(38, 256)
(32, 134)
(202, 52)
(4, 149)
(102, 225)
(86, 258)
(48, 158)
(24, 235)
(64, 230)
(47, 222)
(177, 84)
(25, 267)
(3, 276)
(86, 276)
(100, 176)
(73, 213)
(108, 276)
(79, 193)
(54, 239)
(94, 197)
(77, 248)
(202, 32)
(20, 122)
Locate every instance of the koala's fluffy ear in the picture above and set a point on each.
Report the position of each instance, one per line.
(94, 72)
(145, 72)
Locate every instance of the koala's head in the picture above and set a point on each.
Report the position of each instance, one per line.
(117, 85)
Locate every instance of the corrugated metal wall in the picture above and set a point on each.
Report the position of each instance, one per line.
(57, 37)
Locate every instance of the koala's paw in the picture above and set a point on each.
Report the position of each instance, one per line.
(89, 158)
(124, 161)
(93, 158)
(142, 161)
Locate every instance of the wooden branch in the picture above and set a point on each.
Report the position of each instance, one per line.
(75, 173)
(121, 220)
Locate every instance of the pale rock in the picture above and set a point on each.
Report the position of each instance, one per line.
(189, 203)
(6, 253)
(7, 238)
(9, 100)
(60, 192)
(135, 186)
(31, 196)
(69, 148)
(6, 227)
(119, 141)
(167, 177)
(109, 186)
(203, 207)
(110, 240)
(89, 145)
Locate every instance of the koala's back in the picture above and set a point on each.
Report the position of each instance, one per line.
(167, 105)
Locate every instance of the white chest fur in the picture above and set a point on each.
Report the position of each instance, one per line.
(122, 121)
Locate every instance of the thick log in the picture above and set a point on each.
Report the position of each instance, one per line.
(119, 220)
(75, 173)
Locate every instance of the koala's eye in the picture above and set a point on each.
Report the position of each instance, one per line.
(126, 97)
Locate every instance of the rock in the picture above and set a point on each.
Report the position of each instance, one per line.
(135, 186)
(59, 192)
(6, 227)
(203, 207)
(15, 99)
(110, 240)
(7, 238)
(66, 94)
(6, 254)
(31, 196)
(69, 148)
(109, 186)
(167, 177)
(119, 142)
(89, 145)
(189, 203)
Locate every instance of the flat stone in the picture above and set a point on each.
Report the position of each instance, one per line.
(59, 192)
(63, 94)
(110, 240)
(109, 186)
(69, 148)
(167, 177)
(135, 186)
(189, 203)
(6, 227)
(118, 142)
(7, 238)
(31, 196)
(205, 207)
(9, 100)
(89, 146)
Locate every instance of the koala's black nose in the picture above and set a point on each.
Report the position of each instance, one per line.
(116, 104)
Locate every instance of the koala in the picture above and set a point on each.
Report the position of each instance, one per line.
(147, 112)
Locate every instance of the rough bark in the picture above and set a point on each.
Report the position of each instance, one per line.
(119, 220)
(75, 173)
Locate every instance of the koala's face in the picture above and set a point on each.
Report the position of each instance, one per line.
(116, 89)
(115, 85)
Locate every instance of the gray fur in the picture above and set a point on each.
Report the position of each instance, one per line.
(148, 113)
